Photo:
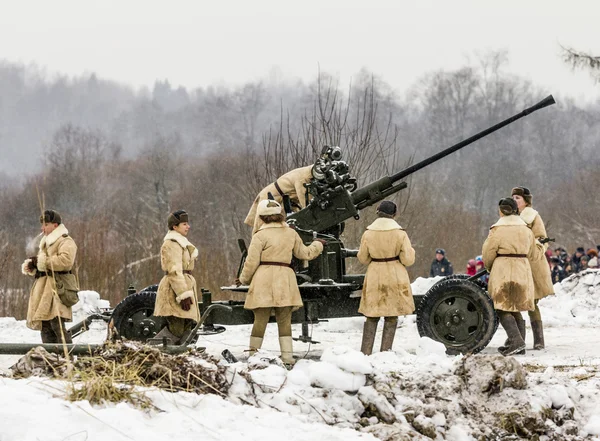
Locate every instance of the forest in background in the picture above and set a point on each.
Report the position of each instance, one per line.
(114, 162)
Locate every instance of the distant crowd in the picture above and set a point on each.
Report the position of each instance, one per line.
(562, 264)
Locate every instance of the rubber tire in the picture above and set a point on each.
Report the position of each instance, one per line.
(479, 282)
(475, 297)
(132, 304)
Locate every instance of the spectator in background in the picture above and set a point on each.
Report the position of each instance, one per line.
(479, 265)
(557, 271)
(471, 268)
(548, 255)
(568, 267)
(562, 255)
(583, 263)
(576, 259)
(593, 254)
(440, 265)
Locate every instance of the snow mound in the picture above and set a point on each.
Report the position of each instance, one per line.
(576, 301)
(89, 303)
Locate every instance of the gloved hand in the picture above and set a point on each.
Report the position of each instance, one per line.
(323, 241)
(186, 304)
(237, 282)
(32, 265)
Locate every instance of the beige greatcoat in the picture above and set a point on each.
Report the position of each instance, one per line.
(386, 290)
(542, 279)
(291, 184)
(57, 252)
(275, 286)
(511, 284)
(177, 254)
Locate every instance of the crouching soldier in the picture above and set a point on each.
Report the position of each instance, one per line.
(507, 253)
(290, 184)
(176, 298)
(386, 292)
(272, 281)
(55, 288)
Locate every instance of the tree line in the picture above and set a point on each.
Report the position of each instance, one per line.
(116, 170)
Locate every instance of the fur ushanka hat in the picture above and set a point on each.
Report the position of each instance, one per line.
(176, 218)
(524, 193)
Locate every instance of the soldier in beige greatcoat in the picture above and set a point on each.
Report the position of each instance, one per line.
(272, 281)
(54, 262)
(508, 252)
(290, 184)
(176, 298)
(542, 279)
(386, 292)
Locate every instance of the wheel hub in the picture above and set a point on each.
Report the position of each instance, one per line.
(454, 318)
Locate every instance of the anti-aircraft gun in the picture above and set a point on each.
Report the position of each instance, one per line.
(456, 311)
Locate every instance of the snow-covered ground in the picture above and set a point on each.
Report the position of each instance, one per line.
(334, 392)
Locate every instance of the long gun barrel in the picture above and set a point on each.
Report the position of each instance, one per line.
(340, 204)
(366, 196)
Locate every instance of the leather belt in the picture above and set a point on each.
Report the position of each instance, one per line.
(288, 265)
(511, 255)
(50, 273)
(385, 259)
(278, 188)
(184, 272)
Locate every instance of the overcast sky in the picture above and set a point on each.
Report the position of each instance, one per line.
(197, 43)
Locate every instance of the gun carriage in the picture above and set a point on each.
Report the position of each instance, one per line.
(456, 311)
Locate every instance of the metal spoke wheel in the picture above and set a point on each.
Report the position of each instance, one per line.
(133, 318)
(458, 313)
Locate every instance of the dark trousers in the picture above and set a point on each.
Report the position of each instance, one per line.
(53, 330)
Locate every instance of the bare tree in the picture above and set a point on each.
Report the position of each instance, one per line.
(582, 60)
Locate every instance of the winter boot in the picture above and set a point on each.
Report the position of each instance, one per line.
(255, 345)
(164, 335)
(516, 343)
(287, 350)
(538, 334)
(389, 332)
(522, 330)
(368, 337)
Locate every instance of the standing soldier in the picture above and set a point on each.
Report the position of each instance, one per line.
(290, 184)
(542, 279)
(272, 281)
(55, 288)
(386, 292)
(507, 253)
(176, 298)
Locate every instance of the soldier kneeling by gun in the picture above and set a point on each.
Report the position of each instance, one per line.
(386, 248)
(290, 184)
(272, 281)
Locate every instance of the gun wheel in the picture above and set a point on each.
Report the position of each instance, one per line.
(133, 318)
(458, 313)
(478, 282)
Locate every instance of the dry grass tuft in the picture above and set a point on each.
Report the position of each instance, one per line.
(117, 371)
